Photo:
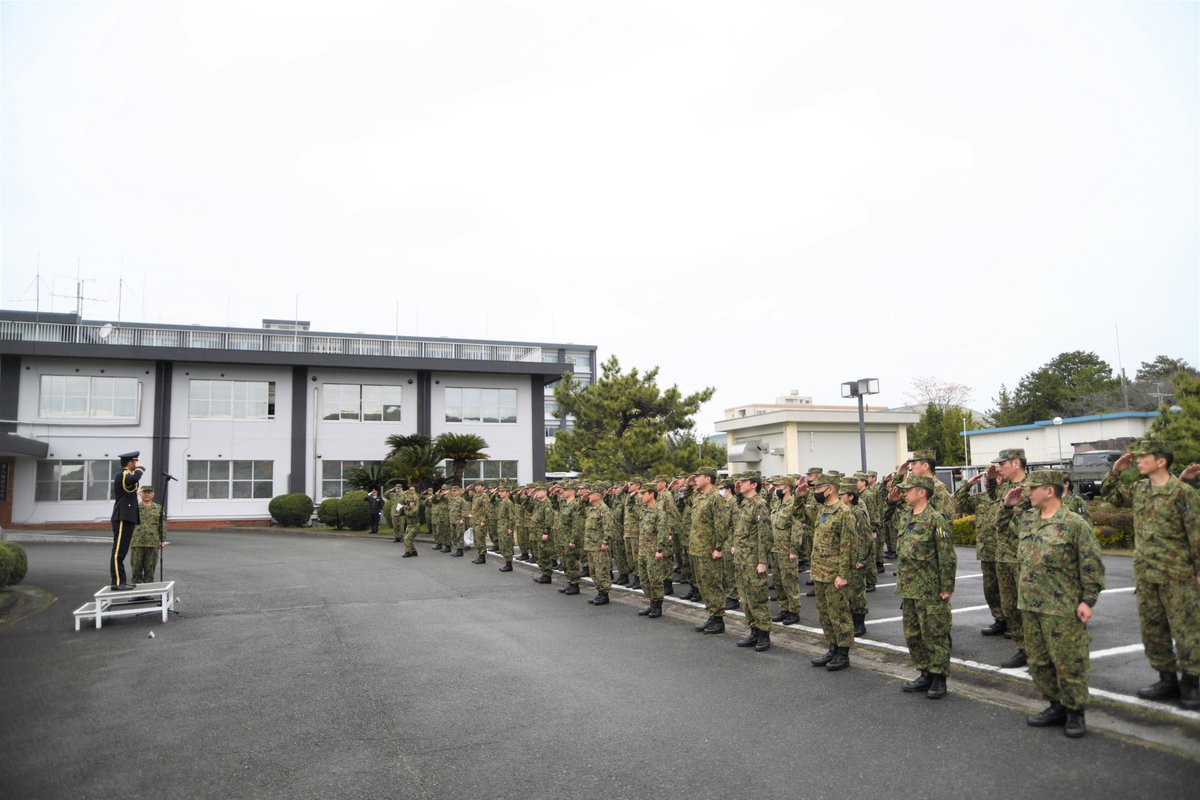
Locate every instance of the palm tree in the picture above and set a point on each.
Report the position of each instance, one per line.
(397, 442)
(459, 448)
(366, 478)
(417, 466)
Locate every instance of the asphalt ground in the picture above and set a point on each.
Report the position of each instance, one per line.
(308, 666)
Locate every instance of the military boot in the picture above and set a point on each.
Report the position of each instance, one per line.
(811, 593)
(779, 617)
(790, 618)
(601, 599)
(694, 595)
(1166, 688)
(700, 628)
(622, 579)
(997, 628)
(636, 583)
(1189, 692)
(584, 572)
(1019, 660)
(1076, 725)
(1053, 714)
(507, 567)
(542, 579)
(457, 553)
(479, 559)
(668, 586)
(715, 625)
(645, 612)
(918, 684)
(730, 605)
(750, 640)
(764, 641)
(655, 609)
(860, 624)
(841, 660)
(572, 588)
(821, 661)
(937, 688)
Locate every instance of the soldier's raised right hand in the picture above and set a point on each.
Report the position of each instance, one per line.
(1122, 463)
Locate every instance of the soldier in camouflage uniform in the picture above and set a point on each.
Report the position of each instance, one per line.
(439, 519)
(147, 540)
(632, 520)
(457, 517)
(985, 506)
(1061, 579)
(654, 550)
(614, 498)
(570, 537)
(924, 583)
(1166, 566)
(750, 547)
(706, 545)
(786, 533)
(542, 521)
(1075, 503)
(1011, 466)
(864, 562)
(835, 540)
(479, 510)
(597, 543)
(504, 523)
(875, 557)
(393, 511)
(808, 511)
(410, 514)
(733, 500)
(672, 521)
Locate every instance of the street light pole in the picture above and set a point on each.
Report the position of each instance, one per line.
(859, 389)
(1058, 429)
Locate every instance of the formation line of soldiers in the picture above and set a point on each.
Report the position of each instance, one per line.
(734, 539)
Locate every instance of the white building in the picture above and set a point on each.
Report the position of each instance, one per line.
(1043, 441)
(788, 438)
(239, 416)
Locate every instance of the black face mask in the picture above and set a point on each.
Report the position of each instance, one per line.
(820, 496)
(779, 493)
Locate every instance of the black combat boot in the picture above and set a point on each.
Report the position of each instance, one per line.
(997, 628)
(668, 586)
(821, 661)
(730, 605)
(636, 583)
(809, 583)
(457, 553)
(919, 684)
(645, 612)
(1189, 692)
(437, 547)
(764, 641)
(715, 625)
(700, 628)
(694, 595)
(507, 567)
(622, 579)
(870, 588)
(841, 660)
(937, 689)
(750, 640)
(601, 599)
(414, 554)
(1053, 714)
(860, 625)
(408, 555)
(479, 559)
(1166, 688)
(542, 579)
(790, 618)
(572, 588)
(1019, 660)
(879, 569)
(1076, 725)
(779, 617)
(655, 609)
(811, 593)
(584, 572)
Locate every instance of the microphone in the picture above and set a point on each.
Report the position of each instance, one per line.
(169, 476)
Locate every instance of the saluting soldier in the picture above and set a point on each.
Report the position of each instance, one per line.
(632, 521)
(504, 523)
(985, 505)
(750, 547)
(834, 542)
(597, 543)
(124, 515)
(707, 545)
(864, 560)
(654, 551)
(786, 533)
(1014, 496)
(147, 539)
(541, 522)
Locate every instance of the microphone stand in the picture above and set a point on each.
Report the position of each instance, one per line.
(162, 516)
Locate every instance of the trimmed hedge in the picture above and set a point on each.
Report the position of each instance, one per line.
(291, 510)
(352, 510)
(327, 513)
(962, 530)
(1113, 528)
(13, 563)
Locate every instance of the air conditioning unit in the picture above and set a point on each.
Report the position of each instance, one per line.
(748, 452)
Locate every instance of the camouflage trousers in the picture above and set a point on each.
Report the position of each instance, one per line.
(398, 526)
(1006, 578)
(858, 587)
(833, 610)
(752, 592)
(927, 633)
(653, 572)
(730, 571)
(481, 537)
(787, 581)
(710, 580)
(1166, 612)
(457, 529)
(871, 565)
(685, 568)
(889, 538)
(505, 544)
(991, 588)
(544, 551)
(409, 538)
(877, 545)
(633, 559)
(600, 569)
(570, 560)
(142, 561)
(1057, 649)
(806, 545)
(621, 557)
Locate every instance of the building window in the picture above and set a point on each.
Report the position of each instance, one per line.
(333, 476)
(231, 399)
(91, 397)
(551, 408)
(481, 405)
(486, 472)
(59, 481)
(551, 432)
(352, 402)
(225, 480)
(550, 358)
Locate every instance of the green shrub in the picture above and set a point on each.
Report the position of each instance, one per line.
(291, 510)
(1113, 528)
(21, 563)
(8, 564)
(327, 513)
(963, 530)
(352, 510)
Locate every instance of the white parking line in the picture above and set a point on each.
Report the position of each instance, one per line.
(1121, 590)
(1116, 651)
(956, 577)
(899, 619)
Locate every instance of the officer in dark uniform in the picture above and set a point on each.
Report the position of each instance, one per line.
(374, 509)
(125, 515)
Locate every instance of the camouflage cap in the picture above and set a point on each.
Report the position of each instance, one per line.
(148, 488)
(872, 473)
(1047, 477)
(912, 481)
(638, 479)
(782, 480)
(860, 476)
(827, 478)
(1153, 447)
(837, 474)
(751, 475)
(1009, 453)
(709, 471)
(814, 471)
(848, 487)
(924, 455)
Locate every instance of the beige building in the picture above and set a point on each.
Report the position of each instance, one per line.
(1043, 441)
(788, 438)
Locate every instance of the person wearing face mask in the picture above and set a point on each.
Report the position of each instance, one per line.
(786, 532)
(749, 547)
(732, 498)
(632, 521)
(1011, 466)
(706, 545)
(835, 540)
(864, 565)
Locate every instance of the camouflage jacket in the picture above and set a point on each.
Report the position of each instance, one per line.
(985, 507)
(752, 531)
(1060, 564)
(481, 511)
(146, 532)
(596, 530)
(504, 516)
(1077, 505)
(835, 543)
(1166, 527)
(786, 528)
(456, 510)
(652, 533)
(875, 501)
(570, 523)
(1008, 522)
(633, 517)
(862, 524)
(710, 524)
(541, 519)
(668, 508)
(927, 561)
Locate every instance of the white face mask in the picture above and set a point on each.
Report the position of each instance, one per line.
(724, 492)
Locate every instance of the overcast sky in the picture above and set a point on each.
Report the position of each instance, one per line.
(754, 196)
